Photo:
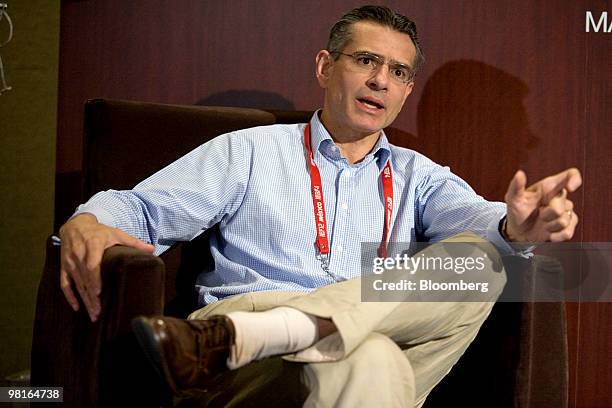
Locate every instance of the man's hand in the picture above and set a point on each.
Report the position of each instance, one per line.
(83, 243)
(542, 211)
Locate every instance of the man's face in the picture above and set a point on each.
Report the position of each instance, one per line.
(360, 102)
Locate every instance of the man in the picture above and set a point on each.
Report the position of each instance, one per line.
(293, 204)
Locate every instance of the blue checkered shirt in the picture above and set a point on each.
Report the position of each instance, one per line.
(255, 183)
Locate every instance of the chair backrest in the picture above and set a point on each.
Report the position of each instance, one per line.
(125, 141)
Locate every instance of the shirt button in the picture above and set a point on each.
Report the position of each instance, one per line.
(339, 248)
(344, 206)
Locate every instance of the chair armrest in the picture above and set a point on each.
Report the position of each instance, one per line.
(133, 284)
(542, 374)
(69, 350)
(519, 358)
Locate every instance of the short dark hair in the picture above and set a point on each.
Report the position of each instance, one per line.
(340, 33)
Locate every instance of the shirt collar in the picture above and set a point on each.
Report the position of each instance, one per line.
(322, 142)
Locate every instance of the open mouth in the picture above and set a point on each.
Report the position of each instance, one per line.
(370, 103)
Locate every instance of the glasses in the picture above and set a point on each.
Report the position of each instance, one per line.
(369, 62)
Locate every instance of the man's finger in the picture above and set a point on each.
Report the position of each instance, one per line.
(92, 303)
(553, 185)
(574, 179)
(559, 223)
(567, 233)
(66, 286)
(94, 259)
(77, 271)
(126, 239)
(550, 214)
(73, 268)
(82, 289)
(556, 208)
(517, 184)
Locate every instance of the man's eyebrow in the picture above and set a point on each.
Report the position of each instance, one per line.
(368, 52)
(392, 62)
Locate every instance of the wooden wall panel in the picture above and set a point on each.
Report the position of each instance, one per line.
(593, 375)
(507, 85)
(190, 52)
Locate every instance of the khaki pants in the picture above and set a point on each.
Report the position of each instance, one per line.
(387, 354)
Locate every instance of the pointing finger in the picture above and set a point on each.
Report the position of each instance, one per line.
(574, 179)
(517, 184)
(551, 186)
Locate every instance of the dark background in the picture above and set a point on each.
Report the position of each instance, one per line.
(28, 117)
(507, 85)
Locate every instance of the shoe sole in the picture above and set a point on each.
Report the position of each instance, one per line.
(146, 338)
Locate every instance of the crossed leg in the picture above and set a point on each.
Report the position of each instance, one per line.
(386, 353)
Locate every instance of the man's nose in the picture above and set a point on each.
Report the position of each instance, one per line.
(379, 79)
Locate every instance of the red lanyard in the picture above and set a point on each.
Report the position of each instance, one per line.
(319, 206)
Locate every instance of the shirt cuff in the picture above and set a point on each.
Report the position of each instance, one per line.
(504, 247)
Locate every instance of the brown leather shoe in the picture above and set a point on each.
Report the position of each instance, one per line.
(188, 354)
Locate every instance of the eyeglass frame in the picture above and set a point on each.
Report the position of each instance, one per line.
(379, 61)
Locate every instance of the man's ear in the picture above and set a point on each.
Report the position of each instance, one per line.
(408, 90)
(324, 63)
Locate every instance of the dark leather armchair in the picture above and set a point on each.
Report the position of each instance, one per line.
(519, 359)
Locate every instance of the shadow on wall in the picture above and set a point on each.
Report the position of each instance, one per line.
(471, 117)
(248, 99)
